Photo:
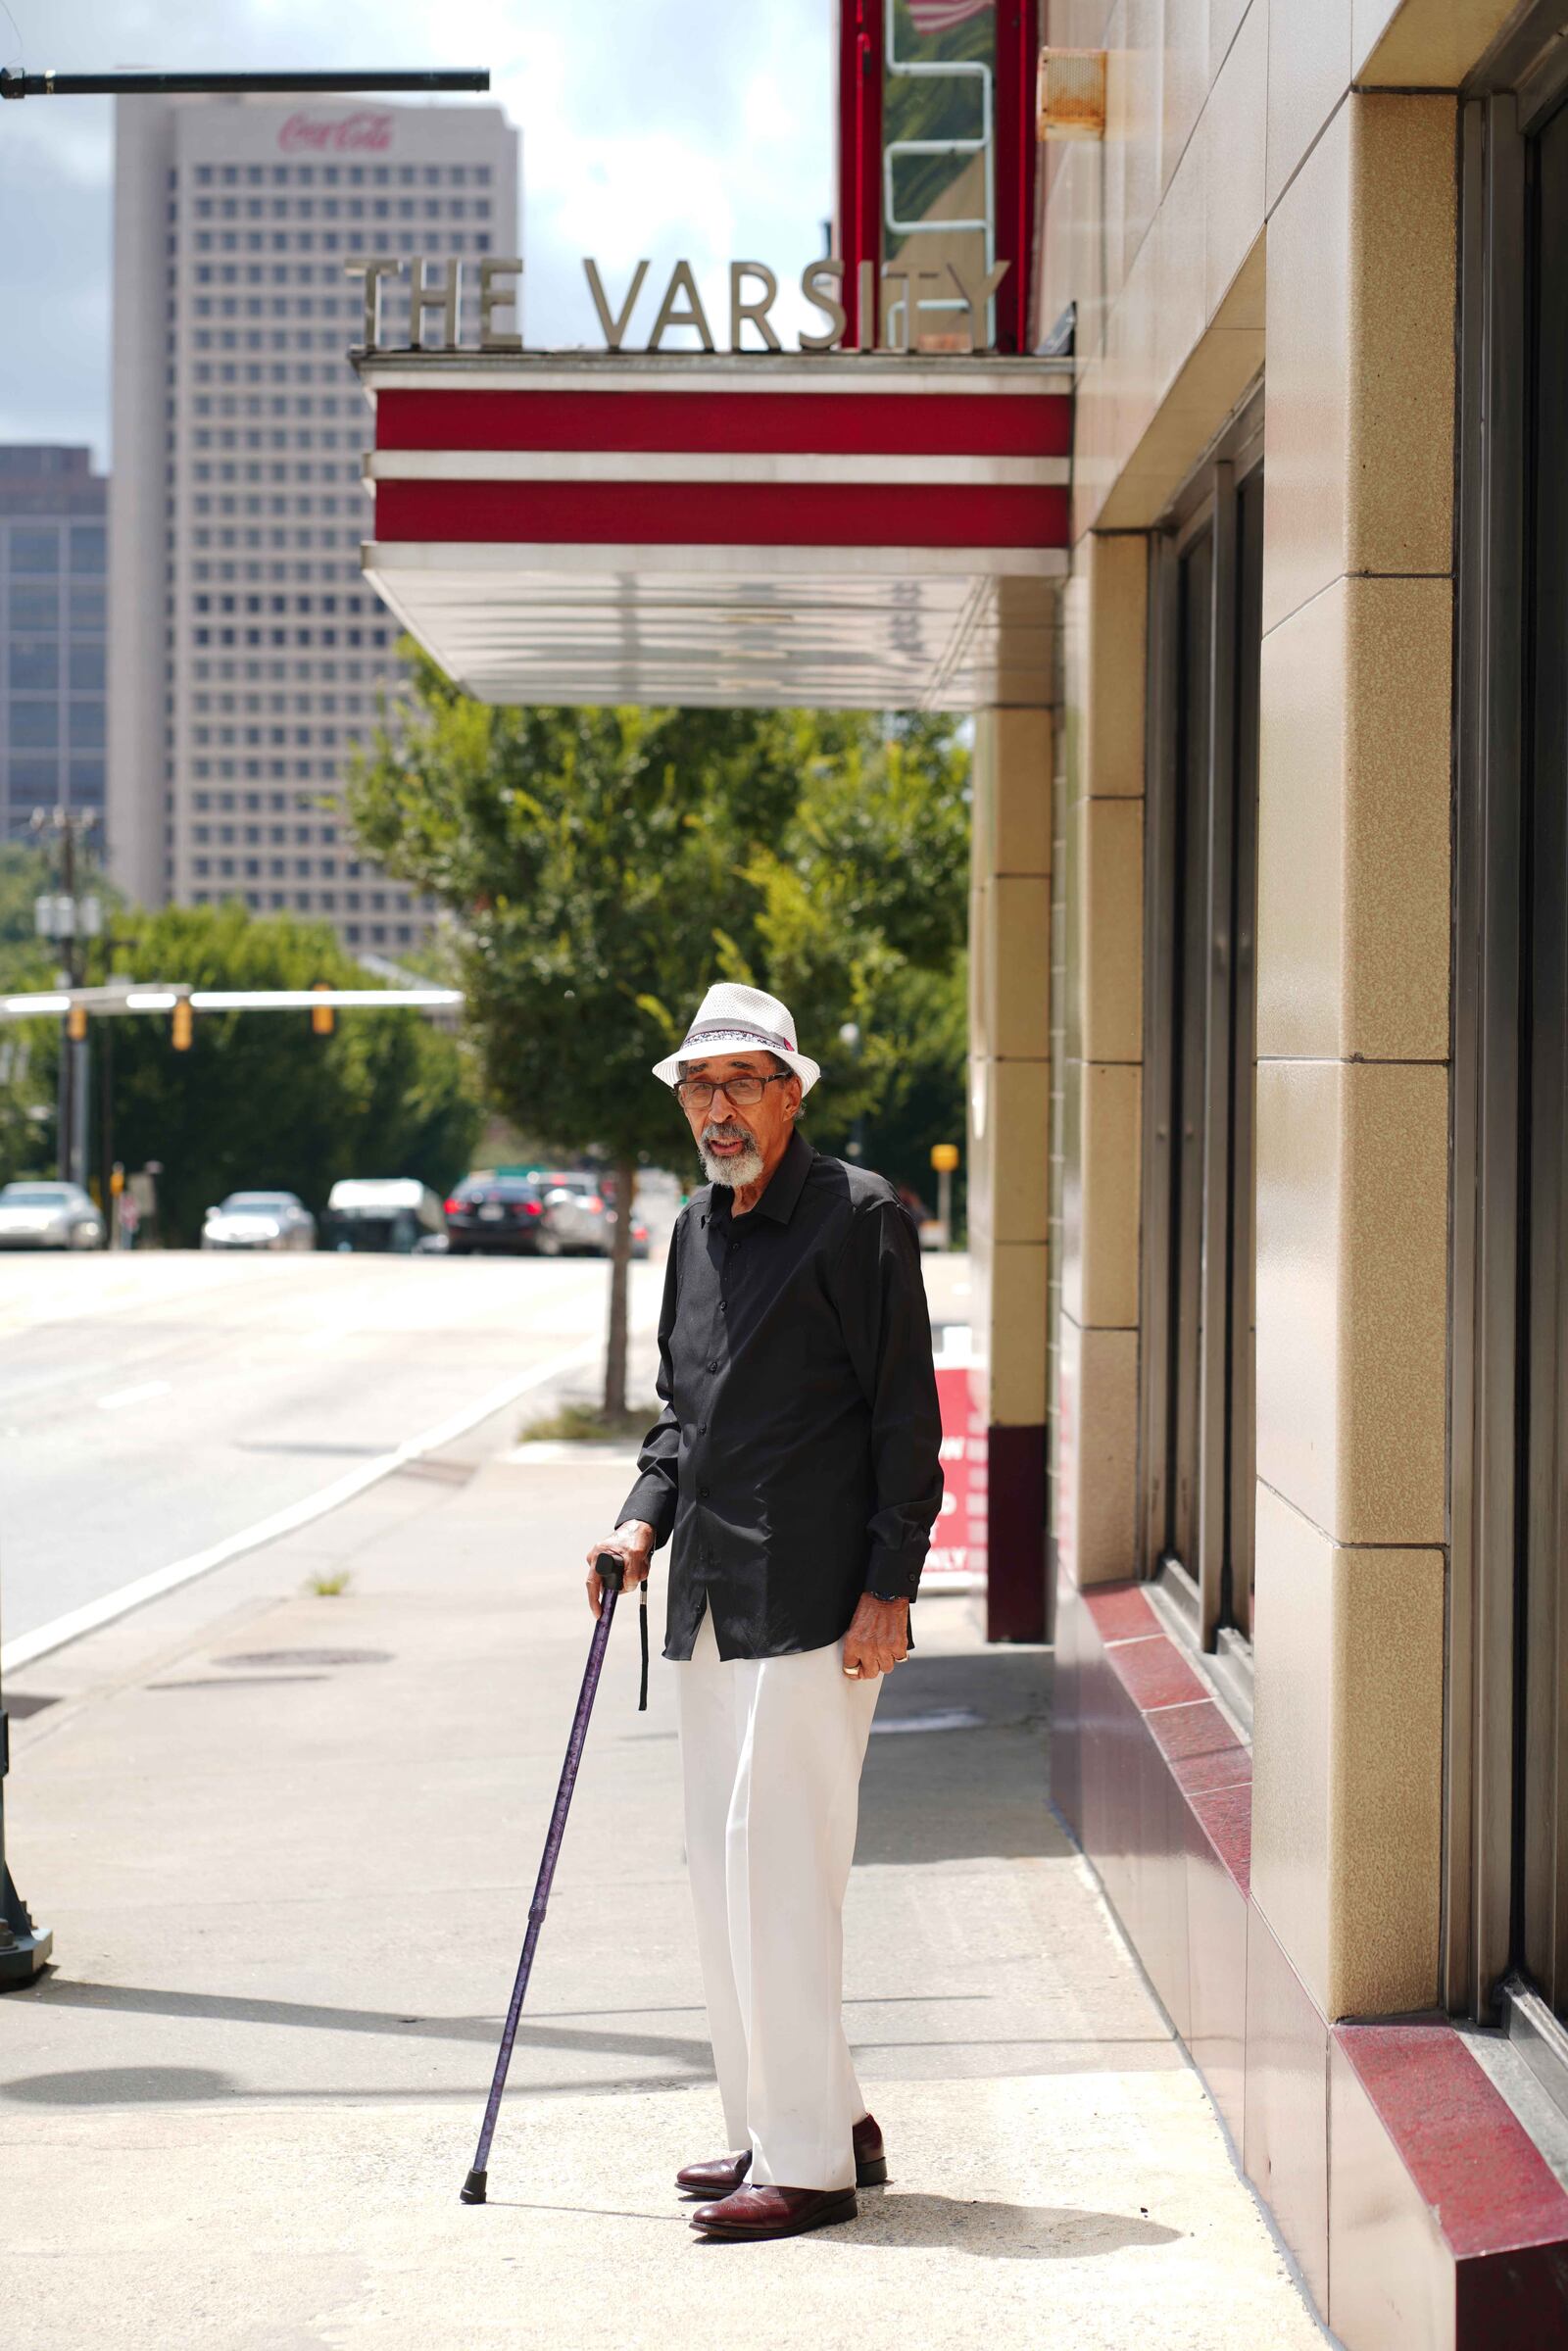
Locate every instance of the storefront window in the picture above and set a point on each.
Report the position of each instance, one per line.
(1543, 1631)
(1197, 1436)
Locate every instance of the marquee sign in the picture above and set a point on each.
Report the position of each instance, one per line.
(905, 290)
(839, 530)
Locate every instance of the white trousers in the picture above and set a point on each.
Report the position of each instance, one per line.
(771, 1750)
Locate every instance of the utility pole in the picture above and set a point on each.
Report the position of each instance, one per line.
(72, 919)
(945, 1158)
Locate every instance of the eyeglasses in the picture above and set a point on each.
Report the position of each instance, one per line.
(743, 1090)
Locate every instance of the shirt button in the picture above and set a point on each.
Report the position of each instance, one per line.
(701, 1493)
(713, 1366)
(702, 1428)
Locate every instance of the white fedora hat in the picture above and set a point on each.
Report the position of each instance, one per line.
(732, 1019)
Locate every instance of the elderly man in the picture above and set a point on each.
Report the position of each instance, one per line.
(796, 1465)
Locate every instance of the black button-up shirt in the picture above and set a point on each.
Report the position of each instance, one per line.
(796, 1461)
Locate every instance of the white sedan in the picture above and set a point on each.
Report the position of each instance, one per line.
(259, 1220)
(48, 1216)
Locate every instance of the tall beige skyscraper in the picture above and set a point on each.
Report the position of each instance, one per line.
(246, 654)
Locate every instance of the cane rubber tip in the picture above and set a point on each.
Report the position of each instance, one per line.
(474, 2187)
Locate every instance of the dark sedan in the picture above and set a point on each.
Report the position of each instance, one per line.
(494, 1214)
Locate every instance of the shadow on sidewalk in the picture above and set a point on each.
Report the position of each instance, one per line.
(959, 1772)
(110, 2085)
(53, 1991)
(994, 2230)
(980, 2225)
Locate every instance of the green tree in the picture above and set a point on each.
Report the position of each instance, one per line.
(604, 866)
(259, 1099)
(23, 873)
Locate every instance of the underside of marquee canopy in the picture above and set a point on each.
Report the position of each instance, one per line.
(853, 531)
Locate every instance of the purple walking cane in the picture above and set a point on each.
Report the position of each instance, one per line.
(612, 1577)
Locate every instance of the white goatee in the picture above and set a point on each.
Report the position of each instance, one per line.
(733, 1173)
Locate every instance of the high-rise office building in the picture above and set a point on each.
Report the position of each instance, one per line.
(53, 593)
(246, 656)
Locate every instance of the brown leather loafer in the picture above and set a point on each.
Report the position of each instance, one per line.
(724, 2175)
(759, 2211)
(870, 2160)
(720, 2178)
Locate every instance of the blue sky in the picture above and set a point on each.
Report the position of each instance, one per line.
(667, 127)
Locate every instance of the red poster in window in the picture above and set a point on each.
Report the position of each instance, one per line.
(959, 1538)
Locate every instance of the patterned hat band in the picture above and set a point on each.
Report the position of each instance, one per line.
(753, 1036)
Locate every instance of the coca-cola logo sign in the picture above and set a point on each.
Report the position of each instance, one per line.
(320, 134)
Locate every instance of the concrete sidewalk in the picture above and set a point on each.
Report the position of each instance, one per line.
(287, 1842)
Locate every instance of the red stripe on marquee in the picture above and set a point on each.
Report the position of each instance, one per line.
(722, 513)
(784, 423)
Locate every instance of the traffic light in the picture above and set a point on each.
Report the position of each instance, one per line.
(322, 1016)
(183, 1024)
(77, 1023)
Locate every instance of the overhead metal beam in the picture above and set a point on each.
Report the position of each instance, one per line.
(16, 84)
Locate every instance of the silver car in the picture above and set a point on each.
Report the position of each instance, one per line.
(578, 1218)
(259, 1220)
(39, 1216)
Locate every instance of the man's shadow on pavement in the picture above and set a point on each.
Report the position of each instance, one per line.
(993, 2230)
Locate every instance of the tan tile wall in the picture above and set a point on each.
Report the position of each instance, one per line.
(1009, 1058)
(1098, 1102)
(1298, 197)
(1349, 1713)
(1212, 113)
(1352, 1094)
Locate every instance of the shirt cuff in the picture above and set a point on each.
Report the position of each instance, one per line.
(894, 1575)
(651, 1500)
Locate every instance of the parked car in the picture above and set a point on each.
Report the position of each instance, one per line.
(259, 1220)
(574, 1215)
(578, 1217)
(42, 1215)
(396, 1213)
(496, 1215)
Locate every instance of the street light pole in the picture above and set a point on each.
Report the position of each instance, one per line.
(16, 83)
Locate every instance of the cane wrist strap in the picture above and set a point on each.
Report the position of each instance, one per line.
(642, 1623)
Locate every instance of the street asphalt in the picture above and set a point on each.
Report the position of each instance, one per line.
(152, 1406)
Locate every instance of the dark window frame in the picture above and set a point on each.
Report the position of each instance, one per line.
(1495, 1360)
(1196, 1273)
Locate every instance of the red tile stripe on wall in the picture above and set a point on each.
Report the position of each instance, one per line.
(1468, 2158)
(1471, 2159)
(1209, 1764)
